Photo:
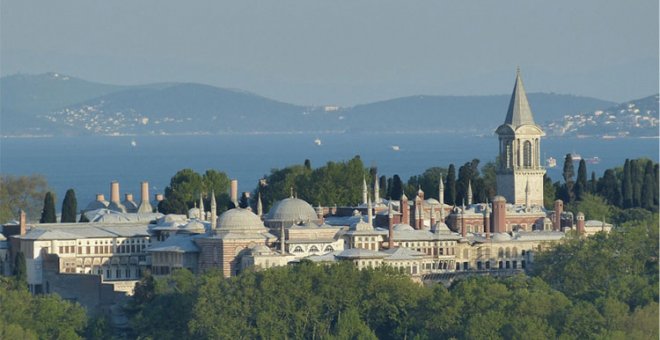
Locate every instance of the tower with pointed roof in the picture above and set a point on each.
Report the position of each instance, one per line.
(519, 164)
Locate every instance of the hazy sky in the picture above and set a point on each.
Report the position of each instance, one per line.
(342, 52)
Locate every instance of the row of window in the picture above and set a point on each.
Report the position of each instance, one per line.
(313, 249)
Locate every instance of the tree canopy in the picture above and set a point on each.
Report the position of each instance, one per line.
(21, 192)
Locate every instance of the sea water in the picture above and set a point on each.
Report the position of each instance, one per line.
(89, 164)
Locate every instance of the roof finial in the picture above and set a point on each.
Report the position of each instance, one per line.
(291, 190)
(518, 70)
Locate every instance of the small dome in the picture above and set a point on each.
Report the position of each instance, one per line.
(94, 205)
(441, 227)
(239, 219)
(432, 201)
(403, 227)
(261, 250)
(499, 198)
(194, 213)
(292, 210)
(501, 237)
(193, 226)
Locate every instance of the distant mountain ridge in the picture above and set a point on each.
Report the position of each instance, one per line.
(54, 104)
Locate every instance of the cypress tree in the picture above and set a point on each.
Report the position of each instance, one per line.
(397, 187)
(656, 184)
(450, 185)
(637, 178)
(581, 183)
(244, 201)
(608, 187)
(382, 183)
(647, 187)
(48, 213)
(568, 173)
(69, 207)
(20, 270)
(593, 184)
(626, 186)
(308, 164)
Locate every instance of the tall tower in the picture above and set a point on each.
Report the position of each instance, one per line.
(519, 165)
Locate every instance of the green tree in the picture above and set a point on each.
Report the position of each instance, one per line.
(350, 326)
(608, 187)
(627, 185)
(450, 185)
(549, 192)
(384, 188)
(397, 188)
(594, 207)
(20, 270)
(69, 207)
(648, 187)
(568, 173)
(48, 213)
(22, 192)
(581, 183)
(428, 181)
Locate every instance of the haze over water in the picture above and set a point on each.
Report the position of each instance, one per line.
(89, 164)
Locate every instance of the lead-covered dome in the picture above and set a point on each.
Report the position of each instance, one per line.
(293, 210)
(239, 219)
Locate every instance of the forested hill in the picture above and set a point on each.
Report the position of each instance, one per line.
(55, 104)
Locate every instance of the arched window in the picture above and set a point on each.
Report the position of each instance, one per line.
(298, 249)
(329, 248)
(527, 154)
(313, 249)
(508, 252)
(514, 252)
(466, 253)
(500, 252)
(509, 155)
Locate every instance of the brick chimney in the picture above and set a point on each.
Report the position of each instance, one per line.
(405, 210)
(580, 224)
(158, 197)
(559, 209)
(114, 192)
(390, 221)
(499, 214)
(128, 197)
(100, 197)
(233, 193)
(22, 222)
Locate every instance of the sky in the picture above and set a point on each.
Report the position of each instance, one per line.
(342, 52)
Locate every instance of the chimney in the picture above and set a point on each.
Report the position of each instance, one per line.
(145, 205)
(100, 197)
(463, 228)
(128, 197)
(499, 214)
(390, 220)
(319, 214)
(559, 209)
(432, 217)
(22, 222)
(114, 192)
(233, 193)
(158, 197)
(487, 222)
(405, 210)
(580, 224)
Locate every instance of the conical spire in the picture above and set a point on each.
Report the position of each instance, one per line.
(370, 215)
(441, 192)
(376, 190)
(214, 210)
(260, 208)
(201, 207)
(519, 112)
(365, 191)
(469, 193)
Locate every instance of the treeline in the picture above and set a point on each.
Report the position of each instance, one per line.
(24, 316)
(187, 186)
(599, 287)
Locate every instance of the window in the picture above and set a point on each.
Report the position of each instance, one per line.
(329, 248)
(298, 249)
(527, 154)
(313, 249)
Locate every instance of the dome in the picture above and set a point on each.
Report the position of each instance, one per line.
(193, 226)
(94, 205)
(293, 210)
(441, 227)
(194, 213)
(239, 219)
(261, 250)
(501, 237)
(499, 198)
(403, 227)
(432, 201)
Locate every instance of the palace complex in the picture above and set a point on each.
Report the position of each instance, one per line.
(424, 237)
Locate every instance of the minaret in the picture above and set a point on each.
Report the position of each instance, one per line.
(390, 232)
(202, 213)
(214, 211)
(370, 215)
(527, 193)
(376, 190)
(260, 208)
(469, 193)
(487, 220)
(519, 151)
(441, 192)
(463, 229)
(365, 191)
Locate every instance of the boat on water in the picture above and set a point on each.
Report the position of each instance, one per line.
(576, 156)
(592, 160)
(395, 148)
(550, 162)
(133, 143)
(317, 142)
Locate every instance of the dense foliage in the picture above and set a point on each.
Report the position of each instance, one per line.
(22, 192)
(186, 187)
(24, 316)
(337, 183)
(599, 287)
(48, 213)
(69, 207)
